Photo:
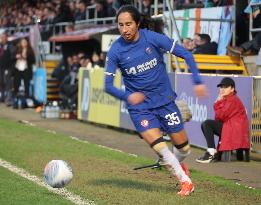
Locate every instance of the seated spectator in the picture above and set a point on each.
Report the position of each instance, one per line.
(100, 7)
(84, 61)
(69, 86)
(183, 4)
(118, 3)
(72, 8)
(230, 124)
(213, 3)
(63, 13)
(110, 8)
(188, 44)
(62, 69)
(146, 5)
(205, 46)
(69, 28)
(222, 2)
(103, 58)
(95, 59)
(250, 47)
(47, 22)
(196, 40)
(81, 11)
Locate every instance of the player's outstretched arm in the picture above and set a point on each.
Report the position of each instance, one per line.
(112, 90)
(199, 88)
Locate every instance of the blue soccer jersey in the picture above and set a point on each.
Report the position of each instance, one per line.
(143, 69)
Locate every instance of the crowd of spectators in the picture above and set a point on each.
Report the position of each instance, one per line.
(16, 72)
(23, 12)
(181, 4)
(66, 73)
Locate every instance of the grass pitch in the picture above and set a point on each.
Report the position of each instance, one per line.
(17, 190)
(100, 175)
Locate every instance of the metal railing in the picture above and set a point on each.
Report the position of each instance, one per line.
(13, 30)
(251, 29)
(89, 9)
(256, 115)
(59, 28)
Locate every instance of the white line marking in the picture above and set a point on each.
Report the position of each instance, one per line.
(84, 141)
(105, 147)
(62, 192)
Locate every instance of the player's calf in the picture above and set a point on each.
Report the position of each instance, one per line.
(169, 160)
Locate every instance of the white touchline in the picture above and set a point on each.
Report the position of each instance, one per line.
(62, 192)
(84, 141)
(105, 147)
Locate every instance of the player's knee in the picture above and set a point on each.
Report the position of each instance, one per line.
(182, 150)
(159, 144)
(161, 148)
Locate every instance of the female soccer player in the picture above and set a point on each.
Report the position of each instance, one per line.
(138, 53)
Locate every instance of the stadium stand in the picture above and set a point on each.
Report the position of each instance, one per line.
(53, 88)
(214, 63)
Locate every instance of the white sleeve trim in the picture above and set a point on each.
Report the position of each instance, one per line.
(173, 46)
(107, 73)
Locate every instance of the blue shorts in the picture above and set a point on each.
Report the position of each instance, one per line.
(167, 118)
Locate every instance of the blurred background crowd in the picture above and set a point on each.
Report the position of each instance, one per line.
(22, 12)
(17, 58)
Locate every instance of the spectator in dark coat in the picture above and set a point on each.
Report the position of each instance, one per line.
(146, 7)
(25, 58)
(69, 86)
(206, 46)
(110, 8)
(6, 68)
(81, 12)
(253, 46)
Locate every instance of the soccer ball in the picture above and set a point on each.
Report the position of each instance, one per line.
(57, 173)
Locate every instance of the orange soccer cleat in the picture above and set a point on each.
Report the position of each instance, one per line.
(186, 188)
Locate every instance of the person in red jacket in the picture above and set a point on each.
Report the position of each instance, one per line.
(230, 124)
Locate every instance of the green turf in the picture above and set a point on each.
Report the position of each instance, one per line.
(17, 190)
(107, 177)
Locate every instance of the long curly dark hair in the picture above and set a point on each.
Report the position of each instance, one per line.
(19, 49)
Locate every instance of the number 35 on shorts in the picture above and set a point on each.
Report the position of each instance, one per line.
(173, 118)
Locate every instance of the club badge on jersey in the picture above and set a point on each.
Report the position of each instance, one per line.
(148, 50)
(144, 123)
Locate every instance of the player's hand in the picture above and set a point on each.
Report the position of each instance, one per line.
(136, 98)
(200, 90)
